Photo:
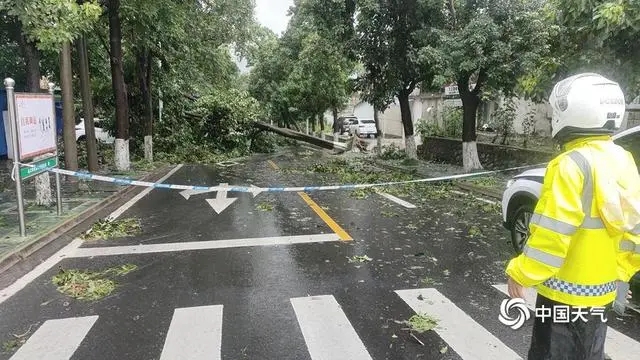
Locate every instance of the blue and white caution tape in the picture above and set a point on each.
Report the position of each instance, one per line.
(256, 190)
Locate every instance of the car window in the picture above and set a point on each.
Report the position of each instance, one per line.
(631, 143)
(368, 122)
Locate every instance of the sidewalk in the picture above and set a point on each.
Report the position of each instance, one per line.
(77, 199)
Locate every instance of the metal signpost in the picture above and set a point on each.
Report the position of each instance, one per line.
(33, 134)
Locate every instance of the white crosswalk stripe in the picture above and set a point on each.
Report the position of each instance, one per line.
(195, 333)
(463, 334)
(56, 339)
(618, 346)
(326, 329)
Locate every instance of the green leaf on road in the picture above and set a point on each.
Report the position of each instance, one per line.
(265, 206)
(422, 323)
(108, 229)
(89, 285)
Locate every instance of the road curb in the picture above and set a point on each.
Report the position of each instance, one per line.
(25, 250)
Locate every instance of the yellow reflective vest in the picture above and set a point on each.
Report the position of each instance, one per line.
(574, 255)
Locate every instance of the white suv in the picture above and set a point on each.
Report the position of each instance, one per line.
(102, 135)
(523, 191)
(364, 127)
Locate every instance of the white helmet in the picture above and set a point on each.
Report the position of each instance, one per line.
(586, 104)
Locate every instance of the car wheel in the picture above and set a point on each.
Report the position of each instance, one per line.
(520, 226)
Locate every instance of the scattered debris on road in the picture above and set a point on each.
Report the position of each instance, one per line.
(359, 259)
(421, 323)
(109, 229)
(88, 285)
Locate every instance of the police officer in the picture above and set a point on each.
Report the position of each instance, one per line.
(584, 233)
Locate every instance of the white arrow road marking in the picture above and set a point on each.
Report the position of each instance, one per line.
(255, 190)
(617, 345)
(189, 193)
(221, 201)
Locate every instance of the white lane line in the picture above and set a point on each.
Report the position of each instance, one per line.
(69, 249)
(475, 197)
(203, 245)
(326, 329)
(116, 214)
(195, 333)
(56, 339)
(465, 336)
(19, 284)
(398, 200)
(618, 346)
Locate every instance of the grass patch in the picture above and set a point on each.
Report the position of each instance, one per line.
(146, 165)
(265, 206)
(359, 259)
(89, 285)
(106, 229)
(422, 323)
(3, 222)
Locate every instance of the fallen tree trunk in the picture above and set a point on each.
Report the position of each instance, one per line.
(325, 144)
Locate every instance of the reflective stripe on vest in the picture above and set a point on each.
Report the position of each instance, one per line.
(543, 257)
(579, 289)
(587, 192)
(558, 226)
(628, 245)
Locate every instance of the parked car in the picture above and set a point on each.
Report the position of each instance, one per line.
(102, 135)
(345, 123)
(364, 127)
(523, 191)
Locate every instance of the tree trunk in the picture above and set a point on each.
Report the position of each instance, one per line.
(336, 126)
(69, 124)
(87, 104)
(376, 118)
(119, 89)
(407, 123)
(144, 77)
(321, 121)
(470, 102)
(31, 57)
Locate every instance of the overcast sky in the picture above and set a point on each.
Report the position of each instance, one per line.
(273, 14)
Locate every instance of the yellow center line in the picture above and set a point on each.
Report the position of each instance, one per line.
(327, 219)
(273, 165)
(344, 236)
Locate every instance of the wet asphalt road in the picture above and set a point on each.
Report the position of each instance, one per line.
(449, 242)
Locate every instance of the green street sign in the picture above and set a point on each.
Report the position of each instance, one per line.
(38, 167)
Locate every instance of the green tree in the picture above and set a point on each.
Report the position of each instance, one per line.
(589, 36)
(489, 45)
(397, 42)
